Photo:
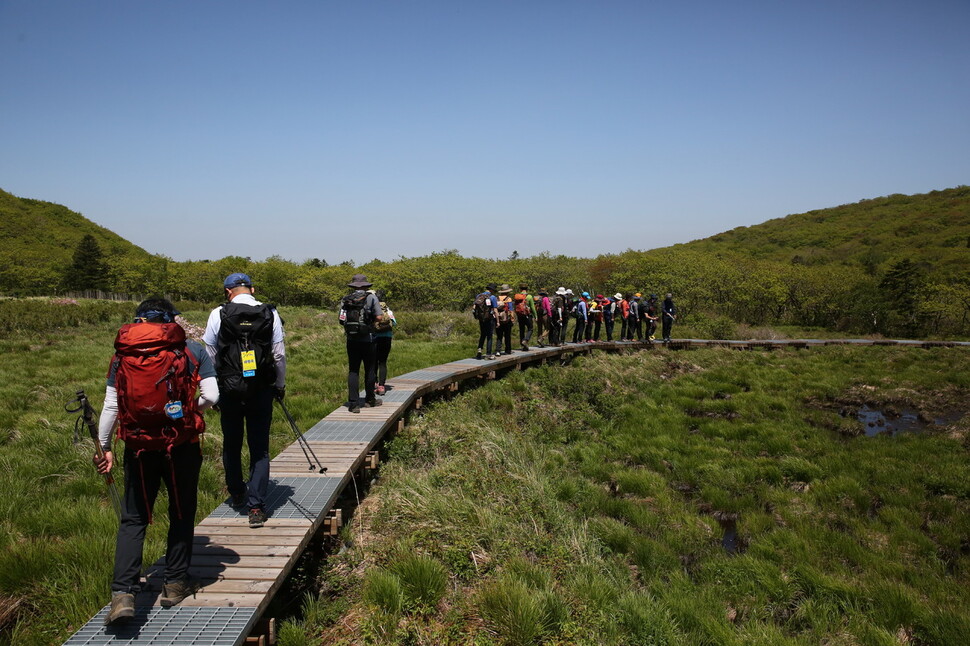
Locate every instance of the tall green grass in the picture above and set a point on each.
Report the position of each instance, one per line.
(588, 504)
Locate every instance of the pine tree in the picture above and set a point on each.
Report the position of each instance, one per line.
(87, 269)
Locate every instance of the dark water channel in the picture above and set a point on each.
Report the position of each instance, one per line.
(905, 420)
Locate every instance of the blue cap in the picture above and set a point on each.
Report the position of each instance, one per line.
(586, 294)
(237, 280)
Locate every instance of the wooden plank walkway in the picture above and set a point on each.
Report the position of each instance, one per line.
(242, 568)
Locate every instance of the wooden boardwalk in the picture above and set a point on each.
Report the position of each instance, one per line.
(242, 568)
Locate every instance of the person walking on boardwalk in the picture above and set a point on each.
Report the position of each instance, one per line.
(150, 394)
(632, 317)
(484, 311)
(244, 337)
(505, 315)
(543, 317)
(525, 315)
(557, 316)
(383, 335)
(580, 311)
(624, 313)
(669, 313)
(360, 312)
(610, 309)
(567, 313)
(595, 313)
(652, 316)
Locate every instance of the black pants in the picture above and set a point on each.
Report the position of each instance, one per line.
(504, 334)
(667, 324)
(564, 331)
(579, 331)
(542, 330)
(486, 329)
(525, 328)
(383, 349)
(250, 415)
(143, 474)
(555, 329)
(360, 352)
(593, 331)
(609, 328)
(623, 329)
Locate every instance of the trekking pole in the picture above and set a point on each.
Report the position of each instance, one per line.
(301, 440)
(88, 418)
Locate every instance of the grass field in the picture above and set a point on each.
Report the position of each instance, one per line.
(695, 497)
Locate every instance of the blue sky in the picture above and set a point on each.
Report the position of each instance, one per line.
(352, 130)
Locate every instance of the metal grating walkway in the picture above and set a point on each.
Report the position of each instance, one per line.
(157, 626)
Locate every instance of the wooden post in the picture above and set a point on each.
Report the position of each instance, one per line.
(400, 425)
(267, 627)
(372, 460)
(333, 522)
(453, 386)
(419, 402)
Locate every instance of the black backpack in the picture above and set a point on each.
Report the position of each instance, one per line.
(355, 318)
(244, 329)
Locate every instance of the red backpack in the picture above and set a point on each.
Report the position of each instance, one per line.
(156, 380)
(520, 305)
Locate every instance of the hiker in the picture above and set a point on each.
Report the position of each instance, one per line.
(610, 309)
(624, 315)
(484, 311)
(581, 313)
(669, 316)
(638, 317)
(567, 313)
(150, 393)
(595, 318)
(543, 317)
(360, 311)
(557, 315)
(383, 334)
(244, 338)
(652, 315)
(525, 315)
(504, 315)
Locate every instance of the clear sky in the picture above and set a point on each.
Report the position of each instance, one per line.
(360, 129)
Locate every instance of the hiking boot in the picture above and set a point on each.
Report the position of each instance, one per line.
(479, 355)
(257, 517)
(353, 408)
(525, 348)
(174, 592)
(237, 500)
(122, 608)
(373, 403)
(490, 357)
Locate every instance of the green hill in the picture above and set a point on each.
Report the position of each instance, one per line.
(931, 229)
(38, 240)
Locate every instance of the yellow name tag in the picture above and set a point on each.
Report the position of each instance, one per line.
(248, 363)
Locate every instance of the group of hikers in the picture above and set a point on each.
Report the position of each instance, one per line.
(158, 384)
(497, 310)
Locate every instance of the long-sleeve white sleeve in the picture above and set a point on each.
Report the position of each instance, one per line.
(109, 416)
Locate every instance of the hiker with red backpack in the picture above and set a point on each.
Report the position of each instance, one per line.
(151, 396)
(525, 315)
(244, 337)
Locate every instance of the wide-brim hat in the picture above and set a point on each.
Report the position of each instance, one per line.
(561, 291)
(504, 289)
(543, 292)
(618, 296)
(359, 281)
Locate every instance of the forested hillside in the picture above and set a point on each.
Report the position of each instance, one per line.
(932, 228)
(897, 266)
(39, 242)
